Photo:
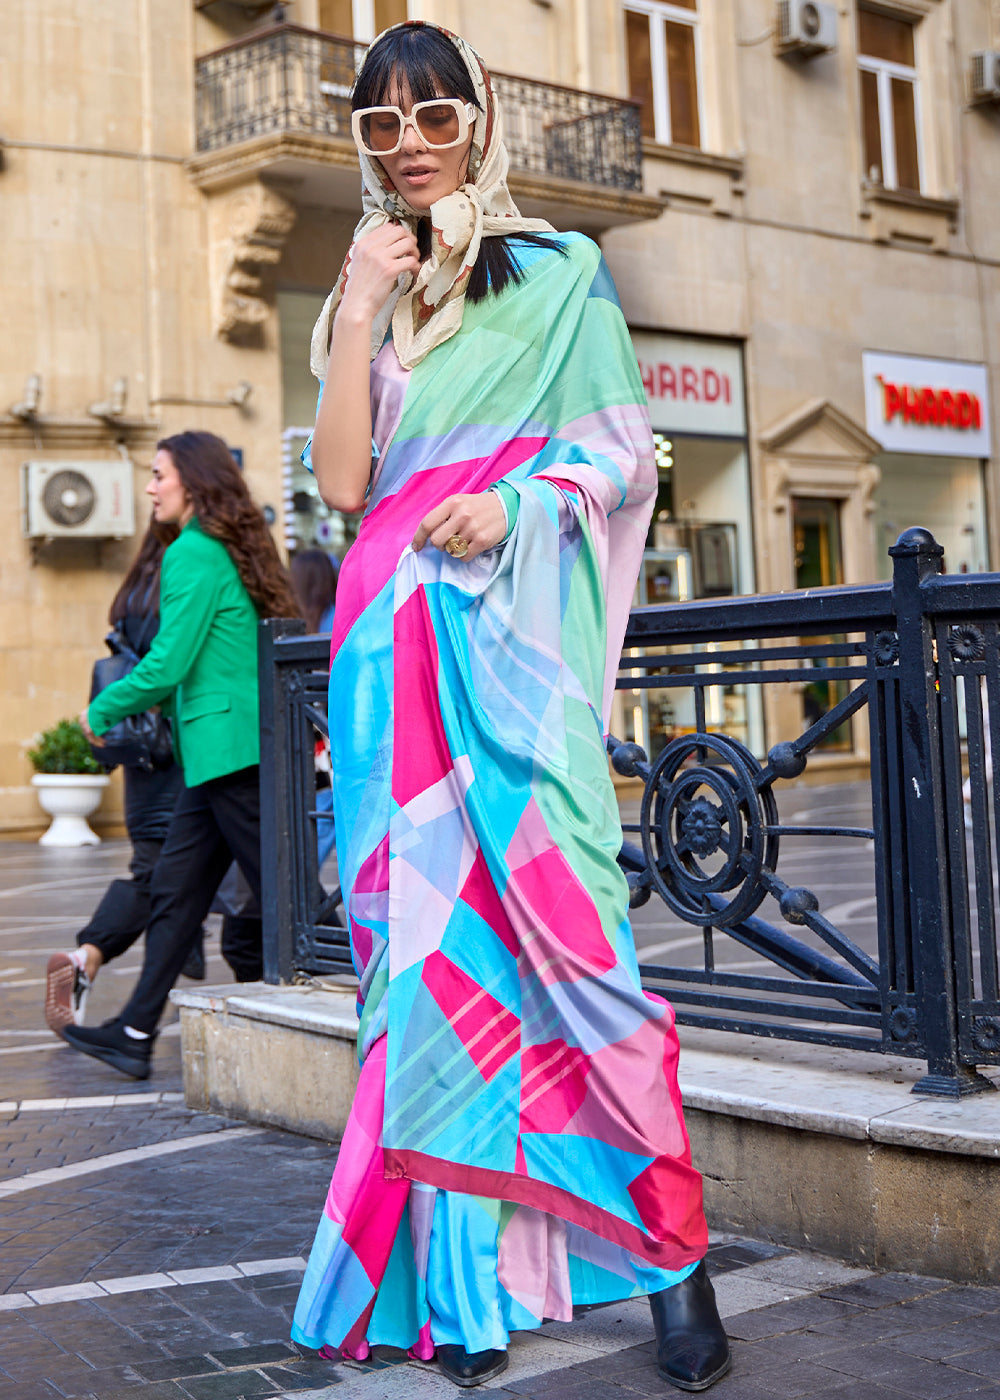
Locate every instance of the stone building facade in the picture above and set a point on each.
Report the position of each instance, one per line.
(806, 245)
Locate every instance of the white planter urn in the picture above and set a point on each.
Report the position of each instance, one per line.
(69, 798)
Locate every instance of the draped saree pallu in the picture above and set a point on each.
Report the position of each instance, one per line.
(516, 1144)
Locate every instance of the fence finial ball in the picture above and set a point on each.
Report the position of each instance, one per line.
(797, 903)
(786, 760)
(916, 540)
(626, 758)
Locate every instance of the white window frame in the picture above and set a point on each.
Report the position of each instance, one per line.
(662, 11)
(885, 71)
(363, 20)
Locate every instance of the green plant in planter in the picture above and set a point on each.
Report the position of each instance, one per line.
(63, 749)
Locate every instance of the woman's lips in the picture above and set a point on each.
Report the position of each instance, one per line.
(418, 177)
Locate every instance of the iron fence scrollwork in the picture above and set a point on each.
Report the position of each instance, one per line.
(918, 658)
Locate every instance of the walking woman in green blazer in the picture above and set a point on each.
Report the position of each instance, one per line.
(218, 578)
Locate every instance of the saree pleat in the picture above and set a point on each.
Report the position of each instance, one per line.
(519, 1089)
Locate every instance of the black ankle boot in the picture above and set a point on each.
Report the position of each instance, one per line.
(470, 1367)
(692, 1349)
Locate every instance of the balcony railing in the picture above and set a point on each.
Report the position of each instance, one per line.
(292, 80)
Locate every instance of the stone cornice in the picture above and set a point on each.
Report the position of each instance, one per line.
(214, 170)
(733, 166)
(946, 208)
(625, 205)
(89, 434)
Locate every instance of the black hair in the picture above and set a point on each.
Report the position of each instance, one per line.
(140, 588)
(434, 68)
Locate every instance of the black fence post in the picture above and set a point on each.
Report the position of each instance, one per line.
(916, 557)
(276, 786)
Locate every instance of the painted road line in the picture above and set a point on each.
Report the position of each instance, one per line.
(13, 1186)
(168, 1032)
(97, 1101)
(75, 883)
(54, 1044)
(141, 1283)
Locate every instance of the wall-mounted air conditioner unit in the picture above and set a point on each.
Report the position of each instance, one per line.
(985, 76)
(805, 28)
(82, 499)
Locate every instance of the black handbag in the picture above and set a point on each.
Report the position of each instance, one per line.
(137, 741)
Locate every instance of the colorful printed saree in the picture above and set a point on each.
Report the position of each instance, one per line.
(517, 1143)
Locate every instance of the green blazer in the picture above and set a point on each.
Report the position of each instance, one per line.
(202, 664)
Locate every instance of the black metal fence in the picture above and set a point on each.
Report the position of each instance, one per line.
(289, 79)
(916, 666)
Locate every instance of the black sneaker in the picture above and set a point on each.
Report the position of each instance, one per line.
(111, 1044)
(194, 965)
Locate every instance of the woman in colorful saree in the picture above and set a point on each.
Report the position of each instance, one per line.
(516, 1144)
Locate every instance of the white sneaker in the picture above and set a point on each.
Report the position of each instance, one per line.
(66, 988)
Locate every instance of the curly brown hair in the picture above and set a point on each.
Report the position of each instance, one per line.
(227, 512)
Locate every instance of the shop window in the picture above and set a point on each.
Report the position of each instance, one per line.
(661, 46)
(890, 100)
(309, 522)
(818, 564)
(360, 19)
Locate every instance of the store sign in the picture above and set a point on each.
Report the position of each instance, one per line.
(692, 386)
(931, 407)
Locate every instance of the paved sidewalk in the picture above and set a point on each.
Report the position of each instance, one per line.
(148, 1251)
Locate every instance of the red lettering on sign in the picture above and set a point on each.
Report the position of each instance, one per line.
(891, 405)
(939, 408)
(686, 382)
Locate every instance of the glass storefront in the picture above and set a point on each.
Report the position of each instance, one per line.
(700, 542)
(946, 495)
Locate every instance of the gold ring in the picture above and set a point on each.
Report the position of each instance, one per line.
(457, 547)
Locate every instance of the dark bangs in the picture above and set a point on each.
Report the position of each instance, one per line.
(430, 63)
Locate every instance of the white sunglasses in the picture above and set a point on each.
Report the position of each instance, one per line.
(440, 123)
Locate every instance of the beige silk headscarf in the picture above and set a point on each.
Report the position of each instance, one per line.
(429, 311)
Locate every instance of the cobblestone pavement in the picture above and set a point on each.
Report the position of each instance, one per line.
(147, 1251)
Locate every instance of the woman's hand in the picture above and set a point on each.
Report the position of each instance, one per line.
(477, 519)
(376, 263)
(342, 438)
(89, 734)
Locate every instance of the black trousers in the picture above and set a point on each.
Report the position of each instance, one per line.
(213, 824)
(121, 916)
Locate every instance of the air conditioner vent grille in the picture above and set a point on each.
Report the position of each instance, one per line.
(986, 75)
(69, 498)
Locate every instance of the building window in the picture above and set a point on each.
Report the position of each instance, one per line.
(661, 45)
(360, 19)
(890, 100)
